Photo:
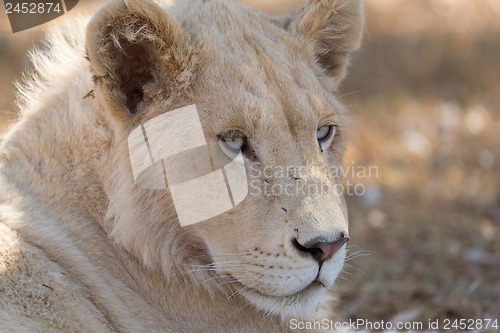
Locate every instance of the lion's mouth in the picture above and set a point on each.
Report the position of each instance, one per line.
(297, 305)
(313, 285)
(301, 302)
(244, 289)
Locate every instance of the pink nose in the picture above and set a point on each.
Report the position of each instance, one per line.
(322, 251)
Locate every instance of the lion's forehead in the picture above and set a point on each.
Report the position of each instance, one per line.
(259, 72)
(264, 91)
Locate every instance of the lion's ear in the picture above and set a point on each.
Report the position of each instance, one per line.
(334, 27)
(125, 43)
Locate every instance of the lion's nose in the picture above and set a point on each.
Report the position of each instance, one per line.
(321, 251)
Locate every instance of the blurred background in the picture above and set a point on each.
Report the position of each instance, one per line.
(424, 101)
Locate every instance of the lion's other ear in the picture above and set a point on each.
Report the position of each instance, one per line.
(125, 41)
(335, 27)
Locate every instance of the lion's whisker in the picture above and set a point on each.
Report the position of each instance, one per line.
(242, 289)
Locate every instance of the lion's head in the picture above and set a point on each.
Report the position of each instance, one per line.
(261, 84)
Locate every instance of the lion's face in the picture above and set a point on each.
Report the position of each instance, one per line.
(291, 131)
(265, 86)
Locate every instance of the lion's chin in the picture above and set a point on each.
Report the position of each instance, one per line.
(301, 305)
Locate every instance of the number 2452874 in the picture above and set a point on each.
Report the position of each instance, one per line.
(32, 8)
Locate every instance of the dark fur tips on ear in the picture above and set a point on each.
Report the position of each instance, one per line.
(124, 44)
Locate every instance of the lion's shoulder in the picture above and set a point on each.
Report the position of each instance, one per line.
(37, 292)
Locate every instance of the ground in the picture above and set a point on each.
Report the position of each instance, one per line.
(425, 110)
(424, 107)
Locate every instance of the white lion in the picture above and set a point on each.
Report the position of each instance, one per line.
(83, 248)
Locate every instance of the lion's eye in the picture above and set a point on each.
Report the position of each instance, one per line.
(231, 145)
(235, 143)
(325, 135)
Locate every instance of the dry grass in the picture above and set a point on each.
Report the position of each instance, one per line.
(423, 94)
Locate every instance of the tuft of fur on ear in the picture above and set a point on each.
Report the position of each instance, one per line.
(335, 27)
(126, 41)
